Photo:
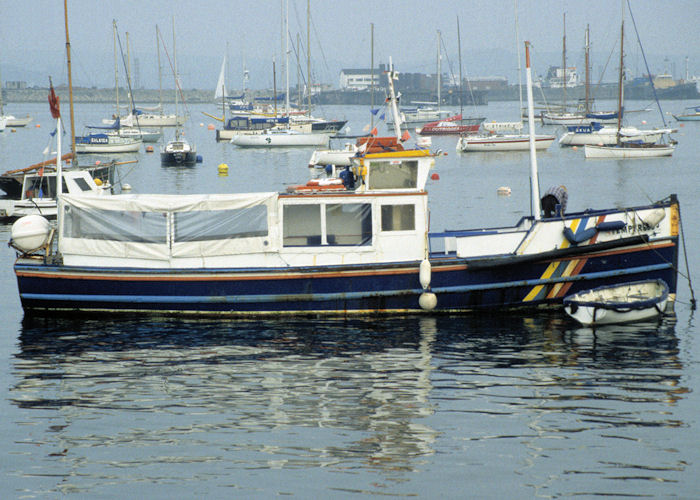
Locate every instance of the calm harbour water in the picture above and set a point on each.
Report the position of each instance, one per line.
(480, 406)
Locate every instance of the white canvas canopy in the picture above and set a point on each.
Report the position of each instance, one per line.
(167, 227)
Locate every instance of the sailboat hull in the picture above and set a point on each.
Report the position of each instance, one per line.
(628, 151)
(280, 140)
(503, 143)
(178, 158)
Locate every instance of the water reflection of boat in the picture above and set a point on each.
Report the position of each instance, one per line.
(375, 390)
(378, 399)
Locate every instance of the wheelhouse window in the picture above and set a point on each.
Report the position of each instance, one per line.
(398, 217)
(43, 187)
(349, 224)
(82, 184)
(302, 225)
(393, 174)
(203, 225)
(334, 224)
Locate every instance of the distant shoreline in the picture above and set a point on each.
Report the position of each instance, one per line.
(339, 97)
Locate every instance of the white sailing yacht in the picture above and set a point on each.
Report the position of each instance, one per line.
(178, 152)
(626, 149)
(493, 137)
(285, 136)
(10, 120)
(150, 116)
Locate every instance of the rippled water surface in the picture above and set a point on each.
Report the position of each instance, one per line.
(482, 406)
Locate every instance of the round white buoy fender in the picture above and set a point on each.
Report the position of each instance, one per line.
(30, 233)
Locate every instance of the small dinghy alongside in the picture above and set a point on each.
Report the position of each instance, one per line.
(623, 303)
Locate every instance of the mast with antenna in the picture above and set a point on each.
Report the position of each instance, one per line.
(70, 92)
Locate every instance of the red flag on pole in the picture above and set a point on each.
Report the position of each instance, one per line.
(54, 102)
(374, 131)
(406, 136)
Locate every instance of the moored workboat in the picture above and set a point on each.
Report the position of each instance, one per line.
(365, 249)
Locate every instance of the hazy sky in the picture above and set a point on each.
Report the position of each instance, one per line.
(33, 39)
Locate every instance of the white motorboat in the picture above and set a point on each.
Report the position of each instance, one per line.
(13, 121)
(343, 157)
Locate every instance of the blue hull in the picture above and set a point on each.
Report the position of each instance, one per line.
(459, 284)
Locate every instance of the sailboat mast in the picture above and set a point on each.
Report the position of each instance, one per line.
(588, 69)
(308, 53)
(520, 69)
(438, 71)
(177, 129)
(274, 86)
(116, 65)
(371, 73)
(160, 76)
(459, 50)
(563, 65)
(534, 177)
(391, 74)
(70, 90)
(2, 109)
(300, 99)
(128, 61)
(621, 81)
(286, 58)
(223, 88)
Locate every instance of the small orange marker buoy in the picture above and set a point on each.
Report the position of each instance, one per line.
(211, 126)
(38, 125)
(97, 162)
(149, 149)
(435, 176)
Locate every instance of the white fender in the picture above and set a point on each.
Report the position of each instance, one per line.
(424, 274)
(655, 217)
